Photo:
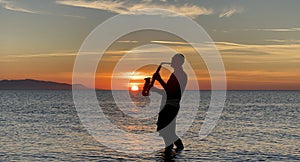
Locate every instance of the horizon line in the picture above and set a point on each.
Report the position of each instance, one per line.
(104, 89)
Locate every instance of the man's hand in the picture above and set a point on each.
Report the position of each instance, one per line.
(157, 76)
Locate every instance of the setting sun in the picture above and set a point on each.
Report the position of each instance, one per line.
(134, 88)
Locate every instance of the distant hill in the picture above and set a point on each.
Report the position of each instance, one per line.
(30, 84)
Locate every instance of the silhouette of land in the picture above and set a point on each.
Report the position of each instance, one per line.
(30, 84)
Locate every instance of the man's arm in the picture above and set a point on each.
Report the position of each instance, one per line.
(157, 77)
(157, 90)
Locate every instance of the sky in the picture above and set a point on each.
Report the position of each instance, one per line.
(258, 40)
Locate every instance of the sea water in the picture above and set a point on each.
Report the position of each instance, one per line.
(254, 125)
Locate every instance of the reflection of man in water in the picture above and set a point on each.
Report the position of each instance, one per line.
(166, 123)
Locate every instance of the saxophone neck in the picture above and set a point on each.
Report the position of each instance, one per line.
(165, 63)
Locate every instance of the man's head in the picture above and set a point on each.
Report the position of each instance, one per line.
(177, 60)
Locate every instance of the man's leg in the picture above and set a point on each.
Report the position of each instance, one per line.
(167, 134)
(168, 146)
(179, 145)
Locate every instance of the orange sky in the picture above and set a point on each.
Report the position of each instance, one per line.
(244, 72)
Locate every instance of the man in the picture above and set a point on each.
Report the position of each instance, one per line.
(174, 88)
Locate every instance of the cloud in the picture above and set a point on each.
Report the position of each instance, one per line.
(128, 41)
(287, 54)
(230, 45)
(39, 55)
(123, 7)
(9, 5)
(131, 75)
(170, 42)
(12, 6)
(230, 12)
(287, 41)
(244, 52)
(114, 55)
(159, 42)
(265, 76)
(280, 30)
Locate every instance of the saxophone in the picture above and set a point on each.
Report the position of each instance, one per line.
(150, 82)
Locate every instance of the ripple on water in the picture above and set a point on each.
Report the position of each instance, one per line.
(255, 125)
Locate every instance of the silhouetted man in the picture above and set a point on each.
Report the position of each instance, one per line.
(166, 123)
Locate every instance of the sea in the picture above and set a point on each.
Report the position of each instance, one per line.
(38, 125)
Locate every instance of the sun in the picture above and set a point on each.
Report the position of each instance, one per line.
(134, 88)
